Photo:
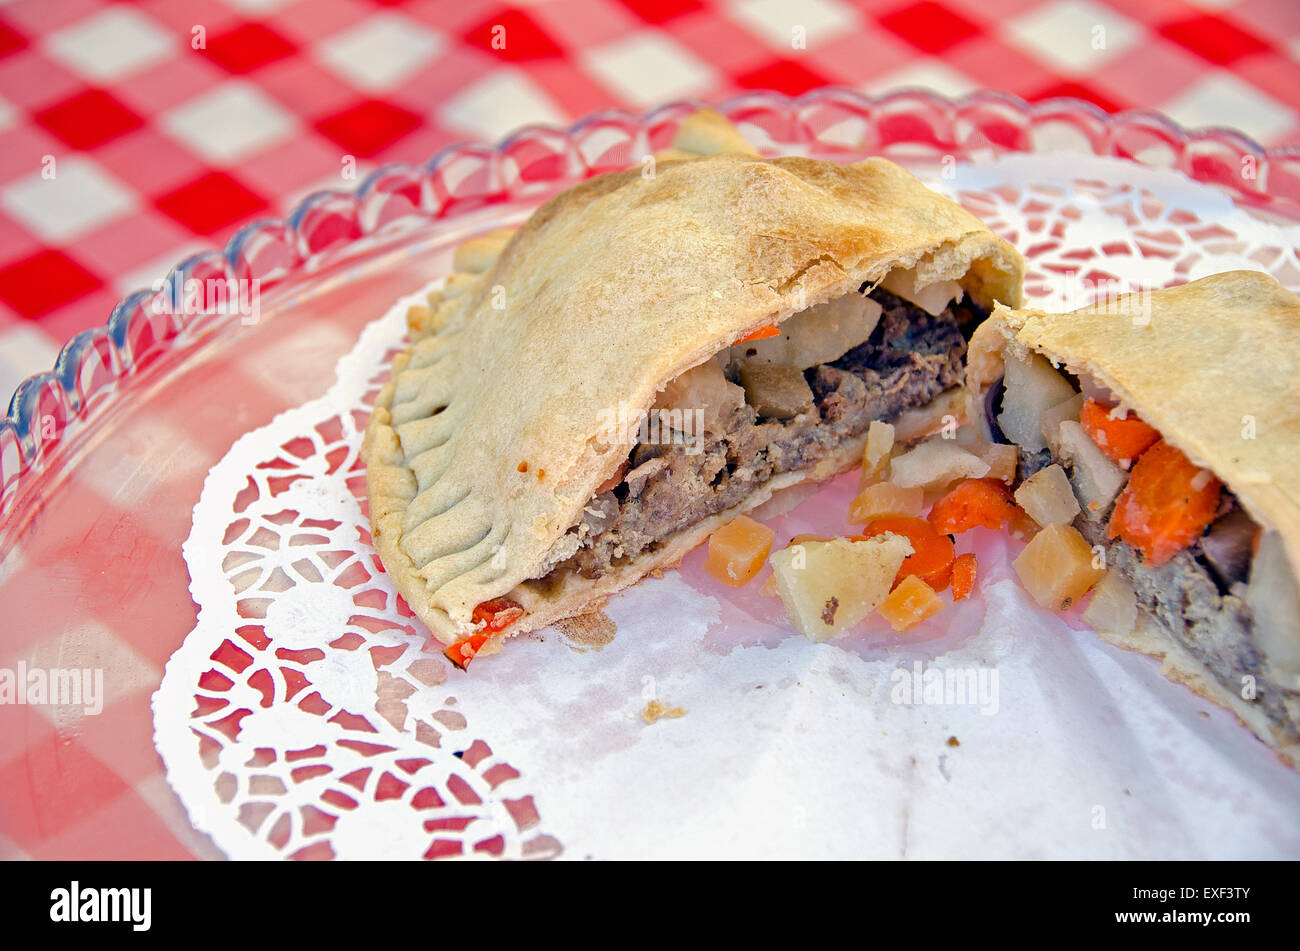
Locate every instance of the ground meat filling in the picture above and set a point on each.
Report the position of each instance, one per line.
(910, 358)
(1215, 626)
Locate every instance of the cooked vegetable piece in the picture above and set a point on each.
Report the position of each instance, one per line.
(1095, 478)
(821, 334)
(880, 443)
(1056, 567)
(933, 298)
(1228, 545)
(1274, 599)
(932, 553)
(463, 651)
(498, 614)
(963, 576)
(936, 463)
(1113, 607)
(1047, 497)
(985, 502)
(910, 603)
(704, 387)
(885, 498)
(775, 391)
(830, 586)
(1167, 504)
(1001, 458)
(1052, 419)
(762, 333)
(1122, 439)
(1030, 389)
(737, 550)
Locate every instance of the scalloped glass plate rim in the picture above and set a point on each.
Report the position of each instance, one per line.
(15, 429)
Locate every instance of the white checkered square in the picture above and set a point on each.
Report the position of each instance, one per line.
(112, 44)
(499, 103)
(1221, 99)
(381, 50)
(79, 196)
(647, 68)
(1073, 36)
(229, 123)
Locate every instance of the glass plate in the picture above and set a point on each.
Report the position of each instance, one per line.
(103, 458)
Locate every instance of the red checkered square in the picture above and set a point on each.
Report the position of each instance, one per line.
(929, 26)
(368, 127)
(88, 119)
(210, 203)
(35, 285)
(784, 75)
(1077, 91)
(1217, 39)
(72, 784)
(248, 47)
(514, 36)
(11, 41)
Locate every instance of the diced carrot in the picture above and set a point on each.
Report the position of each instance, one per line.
(963, 576)
(910, 603)
(973, 502)
(1167, 504)
(762, 333)
(932, 553)
(498, 614)
(1122, 440)
(463, 651)
(737, 550)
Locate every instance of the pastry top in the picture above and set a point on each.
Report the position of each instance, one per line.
(493, 434)
(1212, 365)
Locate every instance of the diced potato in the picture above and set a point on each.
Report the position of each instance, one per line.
(1002, 460)
(1058, 414)
(880, 443)
(705, 388)
(820, 334)
(1114, 607)
(1056, 567)
(932, 298)
(935, 463)
(775, 392)
(1095, 478)
(910, 603)
(737, 550)
(1047, 497)
(830, 586)
(886, 498)
(1032, 388)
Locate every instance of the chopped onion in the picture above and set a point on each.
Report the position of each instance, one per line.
(705, 388)
(1052, 419)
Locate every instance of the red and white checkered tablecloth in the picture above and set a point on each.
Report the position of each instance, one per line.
(132, 134)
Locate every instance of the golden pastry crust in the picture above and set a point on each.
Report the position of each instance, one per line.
(487, 444)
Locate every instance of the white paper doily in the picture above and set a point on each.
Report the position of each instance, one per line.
(302, 717)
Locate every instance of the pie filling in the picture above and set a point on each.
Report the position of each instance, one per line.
(774, 418)
(1203, 593)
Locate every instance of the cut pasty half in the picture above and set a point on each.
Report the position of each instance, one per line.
(1176, 415)
(650, 355)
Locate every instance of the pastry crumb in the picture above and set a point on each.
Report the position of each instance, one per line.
(952, 741)
(656, 709)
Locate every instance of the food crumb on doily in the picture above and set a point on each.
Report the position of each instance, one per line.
(952, 741)
(656, 709)
(594, 629)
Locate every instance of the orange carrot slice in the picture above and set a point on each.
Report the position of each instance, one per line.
(932, 553)
(963, 576)
(1167, 504)
(1121, 439)
(985, 502)
(762, 333)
